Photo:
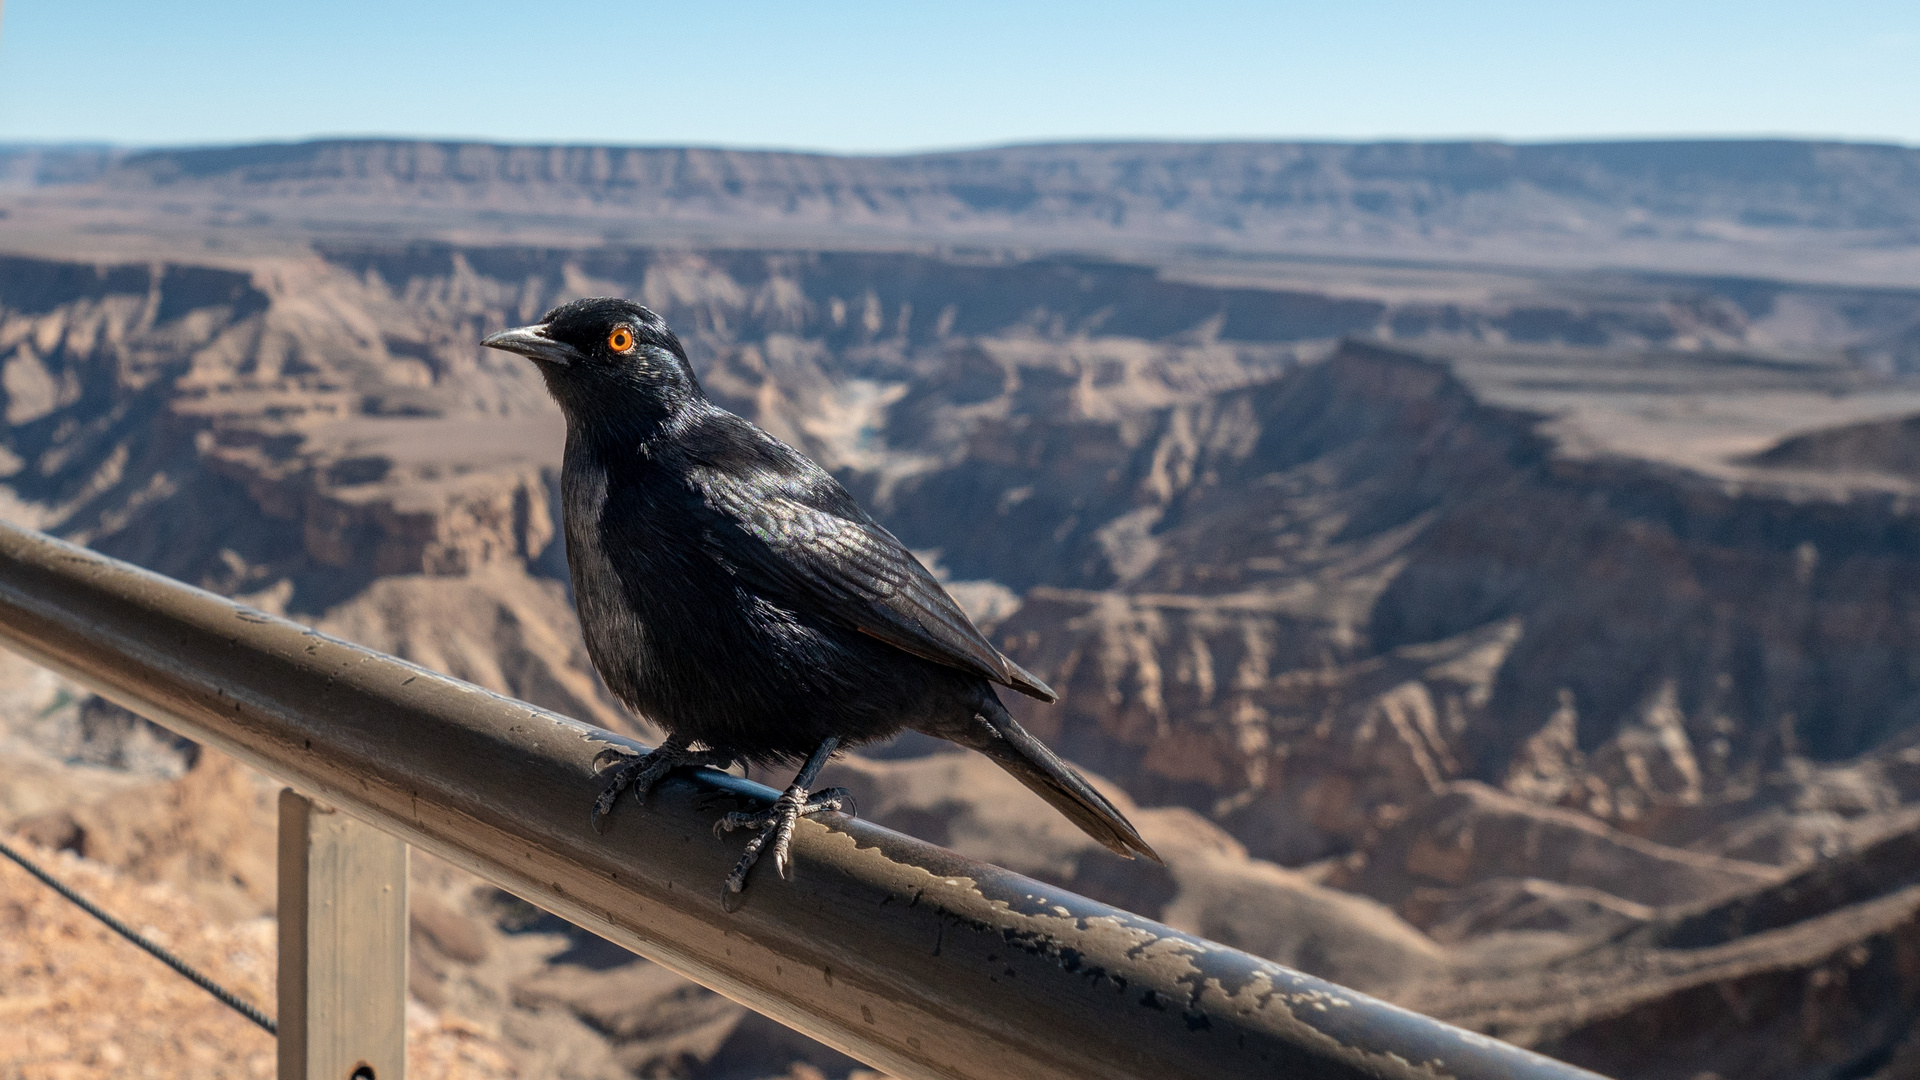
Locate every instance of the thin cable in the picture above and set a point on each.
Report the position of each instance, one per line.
(225, 997)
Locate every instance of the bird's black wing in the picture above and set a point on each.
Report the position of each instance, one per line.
(805, 538)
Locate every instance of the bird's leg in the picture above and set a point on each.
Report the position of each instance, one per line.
(645, 770)
(776, 822)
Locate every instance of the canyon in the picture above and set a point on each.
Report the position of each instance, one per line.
(1520, 629)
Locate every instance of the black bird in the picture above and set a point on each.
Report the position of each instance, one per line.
(732, 592)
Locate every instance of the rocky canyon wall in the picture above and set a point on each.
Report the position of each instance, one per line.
(1477, 652)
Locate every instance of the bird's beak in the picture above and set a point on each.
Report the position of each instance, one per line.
(533, 343)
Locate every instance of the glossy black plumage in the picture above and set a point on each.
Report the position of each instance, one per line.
(731, 591)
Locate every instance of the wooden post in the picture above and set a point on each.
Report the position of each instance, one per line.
(343, 946)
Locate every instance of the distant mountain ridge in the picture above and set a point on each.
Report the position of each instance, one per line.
(1267, 194)
(1824, 185)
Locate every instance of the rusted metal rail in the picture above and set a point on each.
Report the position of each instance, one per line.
(902, 954)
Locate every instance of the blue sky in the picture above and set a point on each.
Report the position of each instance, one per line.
(896, 76)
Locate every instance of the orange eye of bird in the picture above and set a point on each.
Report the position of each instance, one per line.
(621, 340)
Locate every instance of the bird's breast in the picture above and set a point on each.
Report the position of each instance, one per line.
(660, 617)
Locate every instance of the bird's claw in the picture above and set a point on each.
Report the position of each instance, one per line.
(776, 824)
(642, 772)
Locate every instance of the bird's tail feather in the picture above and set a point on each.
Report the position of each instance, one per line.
(1010, 746)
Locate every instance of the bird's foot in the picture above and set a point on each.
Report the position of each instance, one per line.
(775, 825)
(641, 772)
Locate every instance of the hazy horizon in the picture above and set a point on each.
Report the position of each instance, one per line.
(1438, 140)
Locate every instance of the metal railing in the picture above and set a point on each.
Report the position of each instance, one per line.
(897, 952)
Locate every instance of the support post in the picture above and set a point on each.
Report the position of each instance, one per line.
(343, 946)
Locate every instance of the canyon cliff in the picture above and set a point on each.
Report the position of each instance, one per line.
(1531, 648)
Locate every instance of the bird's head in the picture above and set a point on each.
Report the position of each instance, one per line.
(605, 354)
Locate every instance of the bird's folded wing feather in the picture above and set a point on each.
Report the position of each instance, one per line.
(827, 553)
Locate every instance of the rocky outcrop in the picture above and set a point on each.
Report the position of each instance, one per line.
(1471, 834)
(1304, 605)
(1811, 976)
